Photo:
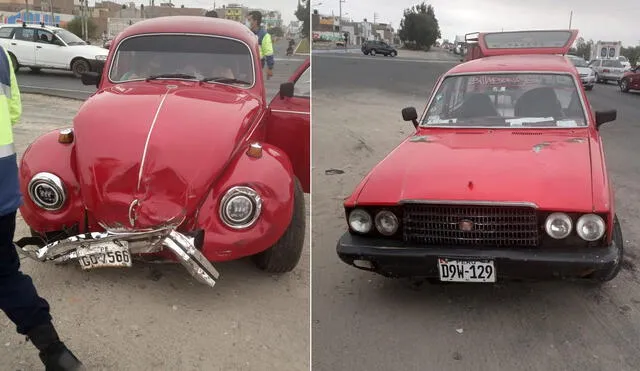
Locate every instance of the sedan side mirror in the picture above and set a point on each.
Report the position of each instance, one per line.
(91, 78)
(286, 90)
(410, 114)
(603, 117)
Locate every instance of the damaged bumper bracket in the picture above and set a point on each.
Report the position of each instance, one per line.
(139, 243)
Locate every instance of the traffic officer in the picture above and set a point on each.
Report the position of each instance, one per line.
(18, 296)
(254, 22)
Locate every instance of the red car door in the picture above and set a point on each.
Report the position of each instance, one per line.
(635, 79)
(289, 124)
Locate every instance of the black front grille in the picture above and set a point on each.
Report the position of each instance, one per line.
(490, 226)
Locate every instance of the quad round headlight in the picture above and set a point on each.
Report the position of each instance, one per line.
(590, 227)
(558, 225)
(360, 221)
(240, 207)
(386, 222)
(47, 191)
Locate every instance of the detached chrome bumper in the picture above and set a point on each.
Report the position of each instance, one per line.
(181, 245)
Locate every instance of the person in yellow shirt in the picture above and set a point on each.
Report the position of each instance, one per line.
(19, 299)
(254, 22)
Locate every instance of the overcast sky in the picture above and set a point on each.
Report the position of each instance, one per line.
(606, 20)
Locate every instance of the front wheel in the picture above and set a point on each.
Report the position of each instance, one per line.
(373, 52)
(80, 66)
(588, 87)
(624, 85)
(619, 241)
(14, 62)
(285, 254)
(393, 53)
(598, 79)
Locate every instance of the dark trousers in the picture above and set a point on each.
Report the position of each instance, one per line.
(18, 296)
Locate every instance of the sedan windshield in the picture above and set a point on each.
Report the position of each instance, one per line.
(507, 100)
(69, 38)
(188, 57)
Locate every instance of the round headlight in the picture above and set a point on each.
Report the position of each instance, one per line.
(386, 222)
(47, 191)
(240, 207)
(558, 225)
(590, 227)
(360, 221)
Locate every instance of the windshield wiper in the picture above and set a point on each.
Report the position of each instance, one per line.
(223, 79)
(170, 76)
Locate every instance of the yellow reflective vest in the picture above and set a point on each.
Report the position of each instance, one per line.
(10, 112)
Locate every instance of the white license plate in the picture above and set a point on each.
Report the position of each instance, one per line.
(105, 254)
(452, 270)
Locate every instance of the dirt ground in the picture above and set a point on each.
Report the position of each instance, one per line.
(156, 317)
(362, 321)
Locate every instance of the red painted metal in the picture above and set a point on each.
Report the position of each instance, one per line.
(194, 154)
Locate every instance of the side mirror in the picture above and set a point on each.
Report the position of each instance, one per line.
(91, 78)
(603, 117)
(286, 90)
(410, 114)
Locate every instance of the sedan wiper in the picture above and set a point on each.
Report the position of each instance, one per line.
(227, 80)
(170, 76)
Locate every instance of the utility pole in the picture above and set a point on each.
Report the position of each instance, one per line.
(340, 17)
(26, 12)
(570, 19)
(53, 18)
(375, 17)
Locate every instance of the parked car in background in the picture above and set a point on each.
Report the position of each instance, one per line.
(374, 47)
(587, 74)
(521, 186)
(607, 70)
(630, 80)
(625, 62)
(40, 46)
(179, 156)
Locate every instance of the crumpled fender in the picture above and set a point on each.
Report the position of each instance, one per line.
(272, 177)
(46, 154)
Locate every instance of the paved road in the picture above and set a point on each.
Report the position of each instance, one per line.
(362, 321)
(64, 84)
(156, 317)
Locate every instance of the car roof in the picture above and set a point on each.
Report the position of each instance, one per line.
(191, 24)
(31, 25)
(516, 63)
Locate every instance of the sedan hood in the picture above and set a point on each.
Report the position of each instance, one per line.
(549, 168)
(90, 51)
(162, 147)
(584, 70)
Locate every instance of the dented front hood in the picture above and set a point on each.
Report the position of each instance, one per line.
(551, 169)
(146, 154)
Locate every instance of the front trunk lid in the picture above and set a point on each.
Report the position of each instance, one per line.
(147, 154)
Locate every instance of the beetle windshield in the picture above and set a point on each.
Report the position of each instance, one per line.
(507, 100)
(200, 56)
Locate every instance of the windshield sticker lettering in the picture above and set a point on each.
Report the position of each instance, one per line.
(435, 120)
(503, 81)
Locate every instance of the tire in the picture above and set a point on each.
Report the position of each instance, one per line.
(624, 85)
(613, 273)
(588, 87)
(372, 52)
(285, 254)
(598, 81)
(79, 66)
(35, 69)
(393, 53)
(14, 62)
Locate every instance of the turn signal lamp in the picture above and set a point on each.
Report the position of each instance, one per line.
(65, 136)
(255, 150)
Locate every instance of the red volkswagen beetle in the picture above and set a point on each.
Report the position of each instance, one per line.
(504, 176)
(178, 156)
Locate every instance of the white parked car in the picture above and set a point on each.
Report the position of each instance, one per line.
(607, 70)
(625, 63)
(40, 46)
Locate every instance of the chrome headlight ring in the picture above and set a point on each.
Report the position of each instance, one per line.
(240, 194)
(47, 191)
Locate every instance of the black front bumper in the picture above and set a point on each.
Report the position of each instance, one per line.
(395, 259)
